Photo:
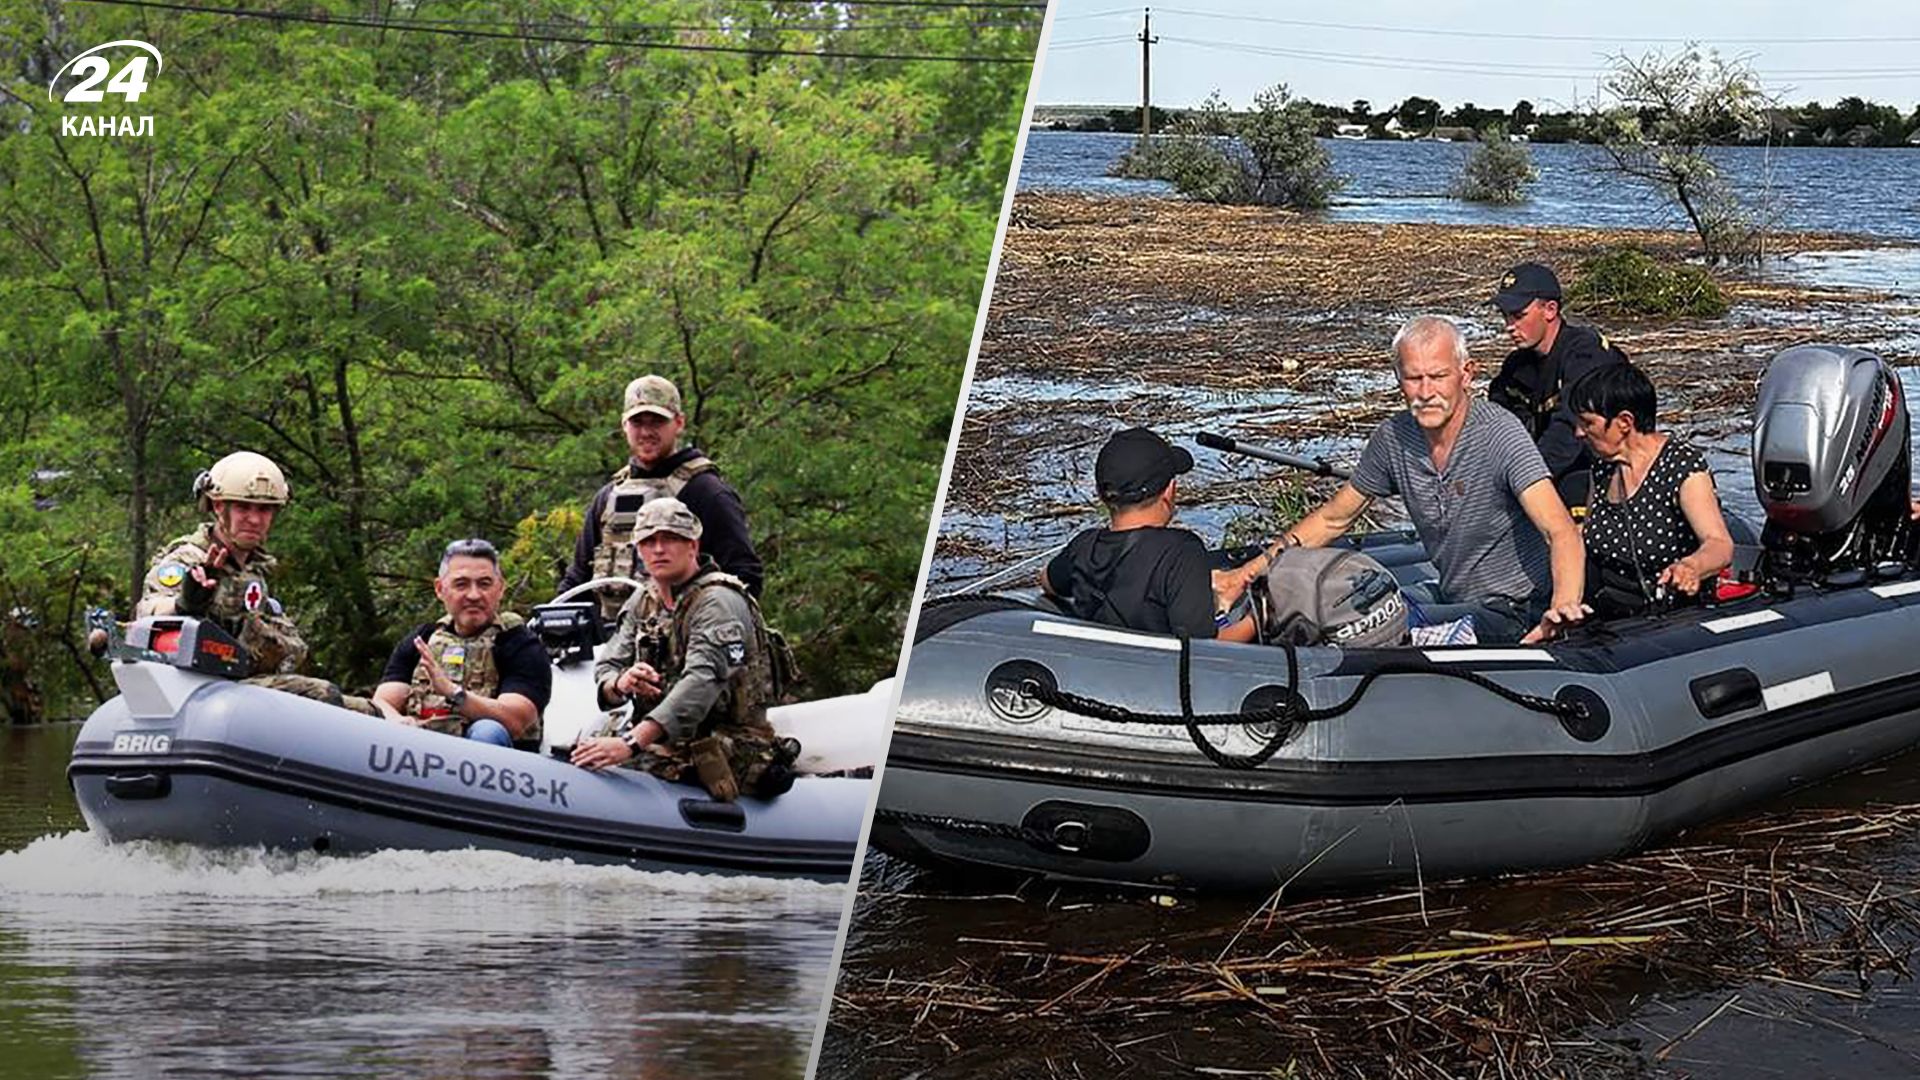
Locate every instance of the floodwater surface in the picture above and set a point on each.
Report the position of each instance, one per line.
(151, 960)
(1820, 189)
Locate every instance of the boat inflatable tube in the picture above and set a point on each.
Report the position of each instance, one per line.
(181, 755)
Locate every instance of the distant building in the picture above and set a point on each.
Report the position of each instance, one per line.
(1395, 131)
(1913, 137)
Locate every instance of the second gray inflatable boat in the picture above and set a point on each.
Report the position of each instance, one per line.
(1030, 741)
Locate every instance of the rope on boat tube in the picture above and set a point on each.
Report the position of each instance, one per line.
(1283, 715)
(970, 826)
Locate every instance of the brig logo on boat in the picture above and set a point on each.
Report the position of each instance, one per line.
(129, 742)
(117, 68)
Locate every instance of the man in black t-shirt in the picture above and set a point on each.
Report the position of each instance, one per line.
(477, 671)
(1550, 355)
(1138, 572)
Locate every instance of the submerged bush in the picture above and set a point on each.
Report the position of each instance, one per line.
(1629, 281)
(1498, 172)
(1265, 157)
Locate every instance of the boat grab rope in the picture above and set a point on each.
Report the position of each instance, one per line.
(1284, 714)
(972, 827)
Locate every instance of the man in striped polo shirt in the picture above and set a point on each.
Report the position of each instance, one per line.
(1479, 494)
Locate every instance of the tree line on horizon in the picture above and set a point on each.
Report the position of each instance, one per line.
(416, 270)
(1851, 121)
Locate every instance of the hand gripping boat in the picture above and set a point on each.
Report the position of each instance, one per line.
(186, 754)
(1027, 740)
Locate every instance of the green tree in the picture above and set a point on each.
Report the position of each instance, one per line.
(1267, 156)
(417, 271)
(1669, 111)
(1417, 114)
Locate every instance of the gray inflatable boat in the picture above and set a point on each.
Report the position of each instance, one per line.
(186, 754)
(1029, 741)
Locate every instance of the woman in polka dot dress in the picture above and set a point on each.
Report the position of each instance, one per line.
(1653, 520)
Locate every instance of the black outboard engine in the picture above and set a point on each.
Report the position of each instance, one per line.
(1831, 464)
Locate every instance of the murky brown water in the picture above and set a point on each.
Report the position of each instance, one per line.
(167, 961)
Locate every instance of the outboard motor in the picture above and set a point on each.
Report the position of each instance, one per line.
(1831, 464)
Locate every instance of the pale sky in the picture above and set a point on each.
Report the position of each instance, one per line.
(1491, 54)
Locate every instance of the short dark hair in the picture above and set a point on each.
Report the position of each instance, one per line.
(1613, 389)
(1121, 507)
(475, 548)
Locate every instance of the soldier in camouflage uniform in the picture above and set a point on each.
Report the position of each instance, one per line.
(653, 420)
(476, 671)
(219, 573)
(695, 656)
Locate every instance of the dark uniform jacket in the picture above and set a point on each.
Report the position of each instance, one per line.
(723, 523)
(1534, 388)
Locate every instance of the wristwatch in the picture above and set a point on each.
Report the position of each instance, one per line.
(632, 743)
(457, 700)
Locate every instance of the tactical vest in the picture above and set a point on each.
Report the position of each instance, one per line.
(241, 603)
(613, 556)
(751, 688)
(468, 661)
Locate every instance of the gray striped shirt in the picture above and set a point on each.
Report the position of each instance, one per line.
(1469, 515)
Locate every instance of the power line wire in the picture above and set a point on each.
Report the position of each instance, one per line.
(717, 28)
(1333, 58)
(1494, 67)
(1437, 32)
(411, 27)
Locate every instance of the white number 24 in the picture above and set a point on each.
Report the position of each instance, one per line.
(131, 80)
(90, 68)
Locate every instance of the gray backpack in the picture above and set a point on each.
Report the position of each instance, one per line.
(1332, 596)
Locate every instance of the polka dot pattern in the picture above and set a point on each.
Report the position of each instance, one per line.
(1638, 536)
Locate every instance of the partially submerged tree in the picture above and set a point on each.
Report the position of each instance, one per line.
(1497, 172)
(1265, 157)
(1671, 109)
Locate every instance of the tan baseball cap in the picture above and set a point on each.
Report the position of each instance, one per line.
(651, 393)
(665, 514)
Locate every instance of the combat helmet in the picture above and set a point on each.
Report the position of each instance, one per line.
(242, 476)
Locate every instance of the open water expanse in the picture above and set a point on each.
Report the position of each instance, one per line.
(1821, 189)
(164, 961)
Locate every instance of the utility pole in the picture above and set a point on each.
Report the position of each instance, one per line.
(1147, 41)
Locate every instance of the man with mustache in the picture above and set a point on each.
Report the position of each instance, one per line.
(1477, 490)
(1549, 355)
(219, 572)
(653, 421)
(476, 671)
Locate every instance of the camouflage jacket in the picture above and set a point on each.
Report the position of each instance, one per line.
(711, 648)
(241, 604)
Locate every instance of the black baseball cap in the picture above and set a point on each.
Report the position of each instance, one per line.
(1524, 284)
(1135, 464)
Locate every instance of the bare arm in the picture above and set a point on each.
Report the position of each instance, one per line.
(516, 712)
(1566, 553)
(1331, 519)
(1327, 523)
(391, 699)
(1715, 553)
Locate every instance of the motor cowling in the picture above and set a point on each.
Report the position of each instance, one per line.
(1830, 454)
